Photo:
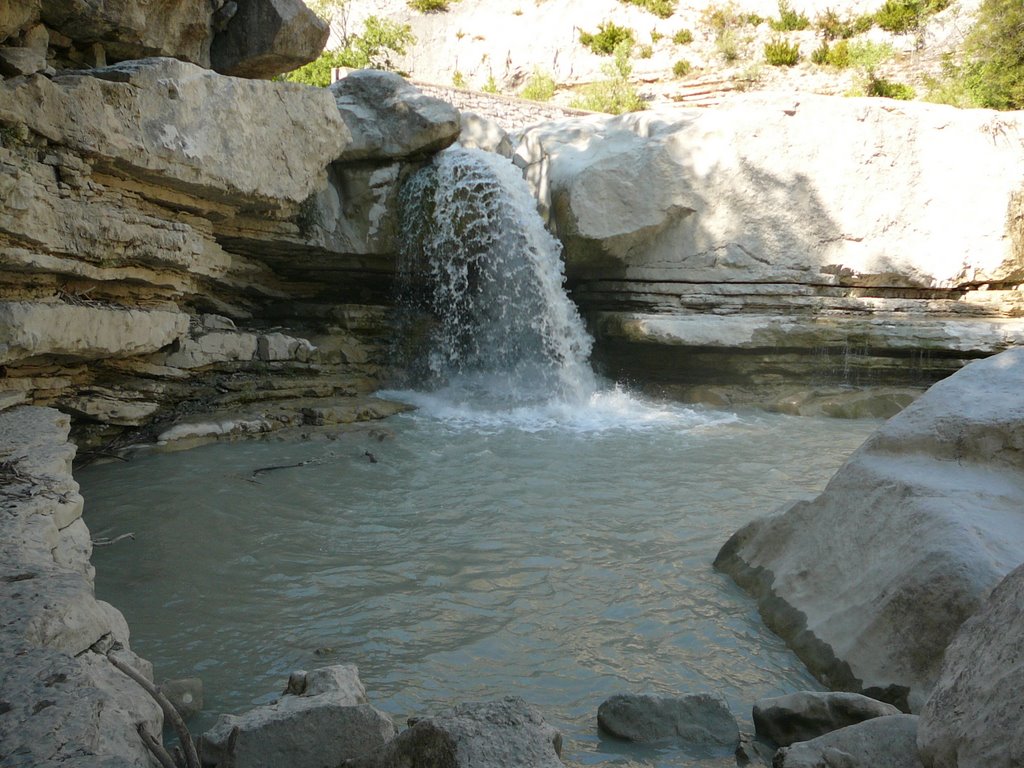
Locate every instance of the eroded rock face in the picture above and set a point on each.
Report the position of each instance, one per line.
(870, 581)
(177, 141)
(888, 741)
(500, 734)
(264, 38)
(322, 719)
(806, 715)
(64, 704)
(975, 715)
(391, 118)
(782, 239)
(699, 719)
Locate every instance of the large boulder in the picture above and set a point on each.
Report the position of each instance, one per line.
(806, 715)
(699, 719)
(389, 118)
(267, 37)
(870, 581)
(975, 716)
(129, 29)
(883, 741)
(187, 129)
(780, 240)
(501, 734)
(322, 719)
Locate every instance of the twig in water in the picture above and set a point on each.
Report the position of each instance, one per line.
(106, 542)
(184, 736)
(264, 470)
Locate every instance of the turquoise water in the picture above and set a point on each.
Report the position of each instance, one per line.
(558, 553)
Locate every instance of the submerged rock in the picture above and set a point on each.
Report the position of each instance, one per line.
(870, 581)
(975, 716)
(808, 714)
(883, 741)
(322, 719)
(500, 734)
(699, 719)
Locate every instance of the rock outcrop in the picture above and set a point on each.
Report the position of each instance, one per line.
(870, 581)
(263, 38)
(63, 703)
(784, 239)
(323, 718)
(499, 734)
(888, 741)
(806, 715)
(699, 719)
(158, 253)
(975, 715)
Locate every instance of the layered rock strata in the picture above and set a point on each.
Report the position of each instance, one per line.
(778, 240)
(61, 701)
(870, 581)
(163, 258)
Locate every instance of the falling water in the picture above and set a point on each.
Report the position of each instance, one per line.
(478, 262)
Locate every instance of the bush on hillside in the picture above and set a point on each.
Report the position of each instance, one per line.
(682, 68)
(615, 95)
(660, 8)
(903, 16)
(608, 38)
(381, 40)
(781, 53)
(540, 86)
(789, 20)
(832, 26)
(682, 37)
(429, 6)
(993, 72)
(889, 89)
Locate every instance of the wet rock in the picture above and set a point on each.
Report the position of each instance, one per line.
(700, 719)
(263, 38)
(501, 734)
(326, 723)
(186, 694)
(389, 118)
(752, 751)
(975, 715)
(875, 605)
(806, 715)
(61, 701)
(883, 741)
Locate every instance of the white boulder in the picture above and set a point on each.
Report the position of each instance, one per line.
(870, 581)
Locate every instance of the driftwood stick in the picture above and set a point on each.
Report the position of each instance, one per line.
(191, 756)
(161, 754)
(105, 542)
(264, 470)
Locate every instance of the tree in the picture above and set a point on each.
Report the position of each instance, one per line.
(994, 48)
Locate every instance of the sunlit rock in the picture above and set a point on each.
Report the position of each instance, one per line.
(870, 581)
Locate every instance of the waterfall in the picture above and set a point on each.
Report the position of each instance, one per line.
(481, 281)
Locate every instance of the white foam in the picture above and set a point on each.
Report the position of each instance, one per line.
(612, 409)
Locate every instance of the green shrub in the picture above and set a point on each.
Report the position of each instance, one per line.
(491, 86)
(458, 79)
(836, 55)
(429, 6)
(656, 36)
(682, 68)
(832, 26)
(381, 40)
(644, 52)
(540, 86)
(902, 16)
(780, 53)
(615, 95)
(660, 8)
(888, 89)
(993, 72)
(728, 45)
(682, 37)
(868, 55)
(789, 20)
(607, 39)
